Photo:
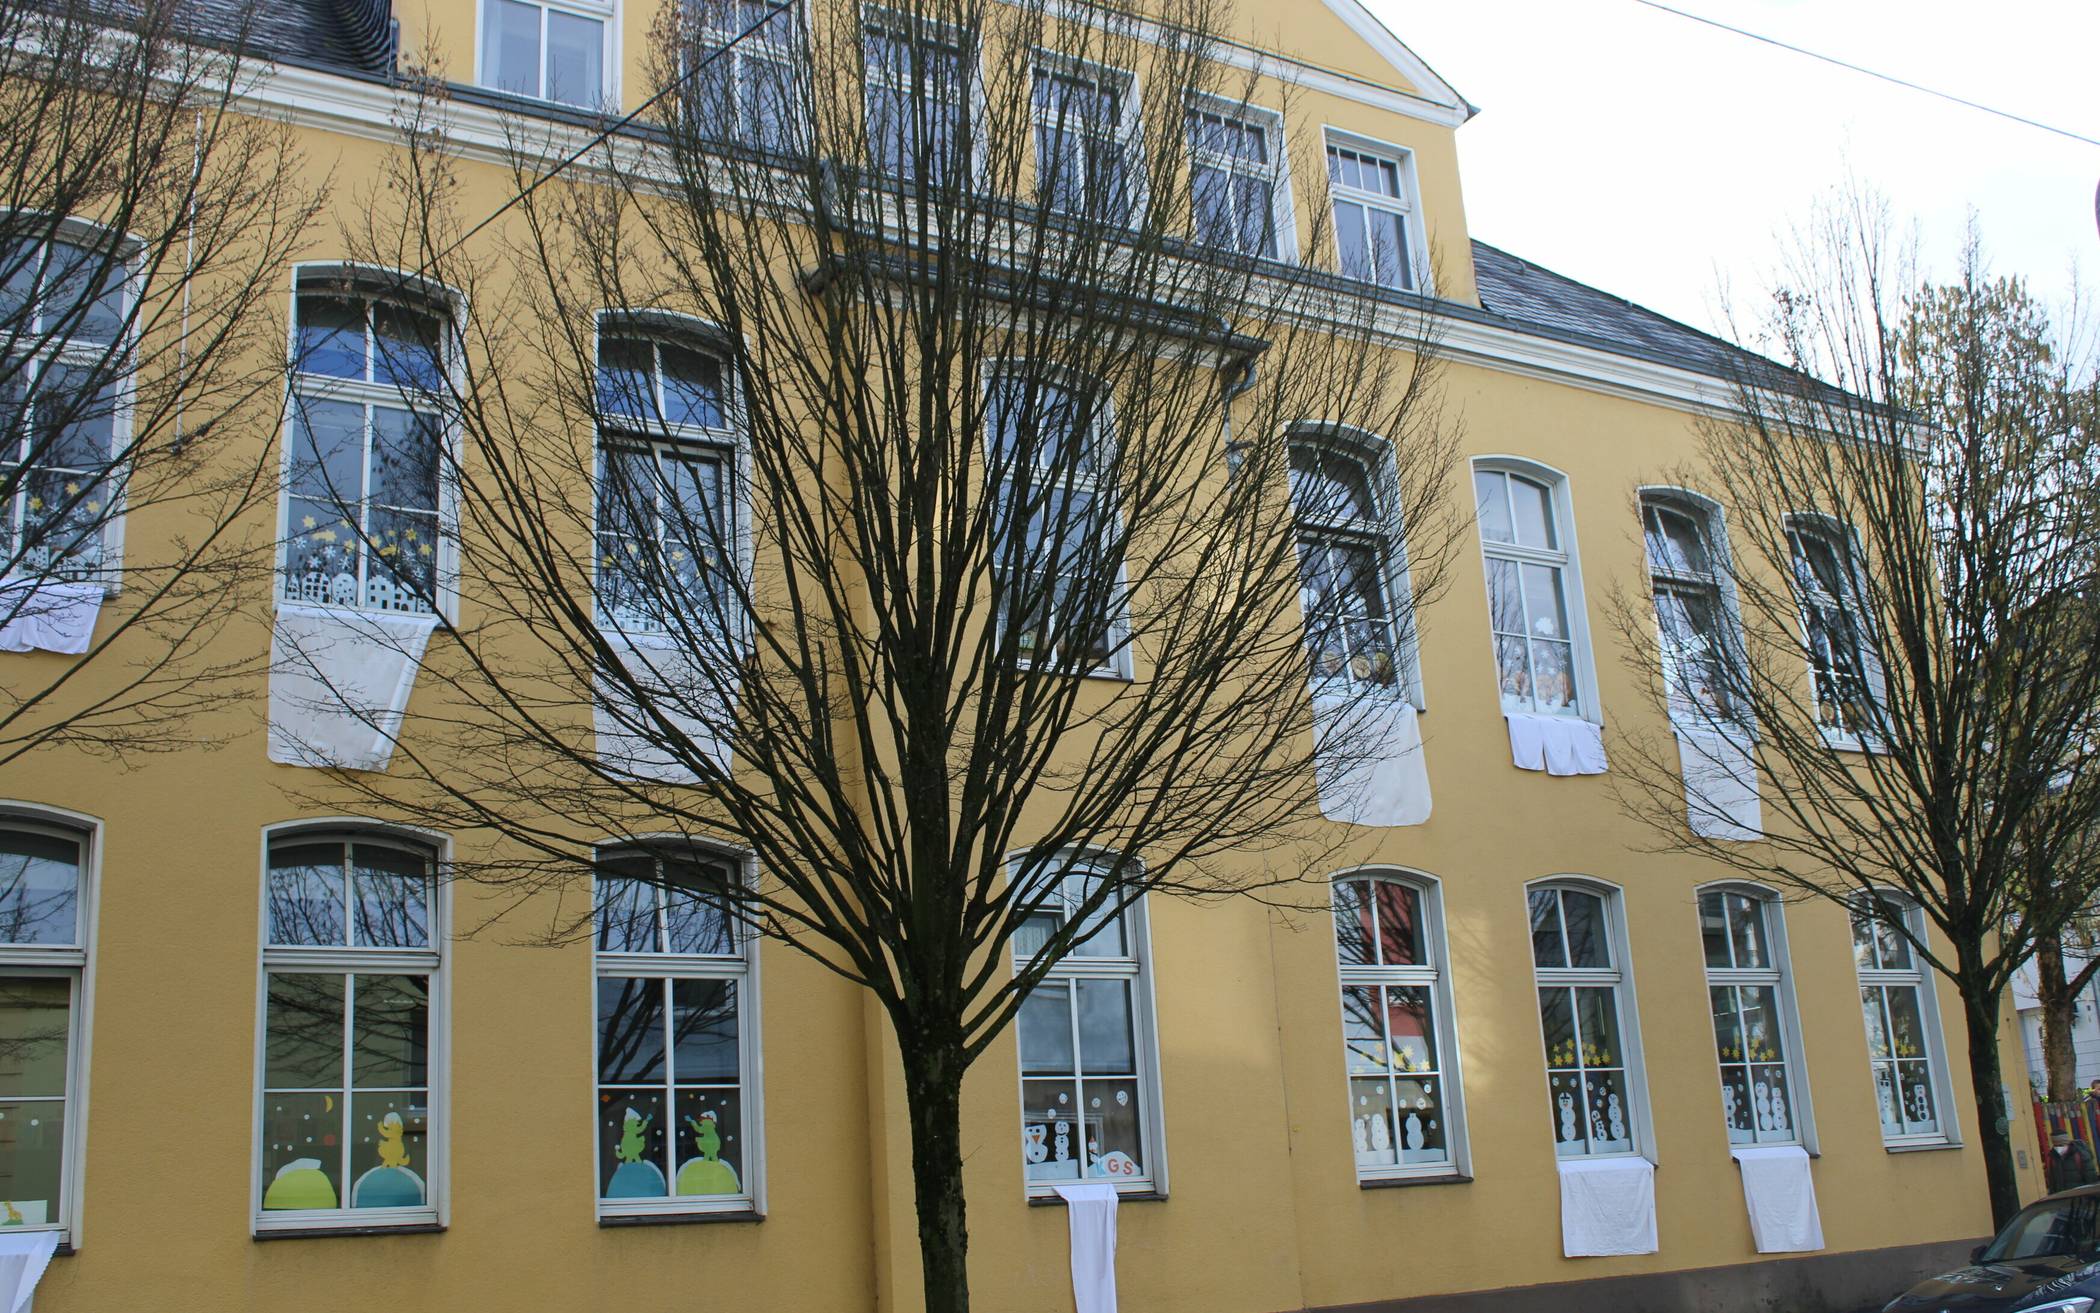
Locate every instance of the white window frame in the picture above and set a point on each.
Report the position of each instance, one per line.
(1567, 558)
(1712, 586)
(75, 963)
(1435, 976)
(1135, 967)
(1845, 551)
(108, 568)
(716, 25)
(1778, 977)
(919, 30)
(370, 283)
(1407, 205)
(606, 13)
(1277, 173)
(741, 969)
(1384, 535)
(1124, 136)
(309, 960)
(668, 441)
(1919, 977)
(1101, 437)
(1618, 977)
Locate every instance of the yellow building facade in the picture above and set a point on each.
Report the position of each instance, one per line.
(1288, 1164)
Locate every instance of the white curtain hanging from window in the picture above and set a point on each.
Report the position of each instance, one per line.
(1369, 762)
(339, 684)
(667, 678)
(1720, 786)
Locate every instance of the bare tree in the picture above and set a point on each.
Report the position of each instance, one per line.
(145, 222)
(1895, 631)
(943, 524)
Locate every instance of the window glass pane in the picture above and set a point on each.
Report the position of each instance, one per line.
(1371, 1122)
(1676, 543)
(1598, 1014)
(625, 371)
(703, 1032)
(1257, 219)
(302, 1158)
(626, 906)
(1111, 940)
(692, 387)
(632, 1151)
(85, 296)
(1547, 949)
(1505, 600)
(1046, 1030)
(1728, 1025)
(303, 1040)
(35, 1023)
(389, 1148)
(695, 916)
(1513, 674)
(328, 453)
(1553, 677)
(407, 347)
(393, 897)
(1862, 935)
(630, 1030)
(1877, 1021)
(1354, 938)
(39, 889)
(406, 452)
(404, 577)
(1210, 205)
(32, 1159)
(1588, 945)
(1738, 1112)
(513, 47)
(1419, 1108)
(1389, 249)
(1105, 1042)
(1327, 485)
(1352, 240)
(1491, 494)
(1533, 506)
(1885, 1098)
(710, 1149)
(575, 59)
(1557, 1017)
(1410, 1028)
(1746, 924)
(1763, 1041)
(1052, 1144)
(306, 894)
(1114, 1147)
(1906, 1021)
(1713, 930)
(320, 560)
(1772, 1101)
(1565, 1107)
(331, 336)
(391, 1032)
(1399, 924)
(1610, 1115)
(1363, 1029)
(1893, 948)
(1544, 603)
(1914, 1088)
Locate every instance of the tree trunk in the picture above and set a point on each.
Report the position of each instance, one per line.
(933, 1090)
(1994, 1133)
(2059, 1015)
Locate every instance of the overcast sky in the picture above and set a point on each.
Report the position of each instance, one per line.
(1661, 159)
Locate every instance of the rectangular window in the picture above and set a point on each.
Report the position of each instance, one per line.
(1374, 215)
(1082, 162)
(1834, 621)
(1531, 598)
(1396, 1039)
(548, 52)
(1590, 1070)
(1356, 628)
(1903, 1038)
(1089, 1065)
(676, 1111)
(351, 963)
(918, 90)
(1763, 1100)
(43, 953)
(1234, 178)
(1685, 552)
(747, 89)
(363, 481)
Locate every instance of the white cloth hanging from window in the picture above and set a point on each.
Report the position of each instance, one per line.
(628, 743)
(48, 615)
(23, 1257)
(1368, 761)
(1558, 745)
(1781, 1196)
(339, 684)
(1720, 786)
(1607, 1206)
(1093, 1217)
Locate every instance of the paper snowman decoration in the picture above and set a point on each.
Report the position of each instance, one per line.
(1764, 1106)
(1033, 1146)
(1728, 1109)
(1064, 1142)
(1778, 1110)
(1567, 1116)
(1617, 1116)
(1414, 1131)
(1381, 1136)
(1357, 1133)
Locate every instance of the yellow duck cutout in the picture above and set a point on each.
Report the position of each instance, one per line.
(391, 1151)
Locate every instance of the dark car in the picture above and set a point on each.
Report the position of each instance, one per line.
(2046, 1260)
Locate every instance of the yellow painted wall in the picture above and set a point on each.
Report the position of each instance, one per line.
(1265, 1214)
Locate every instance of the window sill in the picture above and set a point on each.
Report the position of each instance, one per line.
(1921, 1146)
(1402, 1182)
(1122, 1197)
(325, 1232)
(616, 1220)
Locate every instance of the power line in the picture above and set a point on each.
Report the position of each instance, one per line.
(1885, 77)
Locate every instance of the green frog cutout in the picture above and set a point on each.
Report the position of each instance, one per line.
(707, 1174)
(634, 1132)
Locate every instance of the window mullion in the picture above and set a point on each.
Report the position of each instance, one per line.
(348, 1081)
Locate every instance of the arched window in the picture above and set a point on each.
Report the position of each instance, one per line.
(666, 479)
(676, 1110)
(366, 523)
(1592, 1071)
(1686, 554)
(43, 959)
(1348, 553)
(1902, 1016)
(352, 958)
(65, 317)
(1764, 1099)
(1829, 586)
(1404, 1109)
(1534, 596)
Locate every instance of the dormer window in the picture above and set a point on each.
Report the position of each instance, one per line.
(1377, 232)
(554, 52)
